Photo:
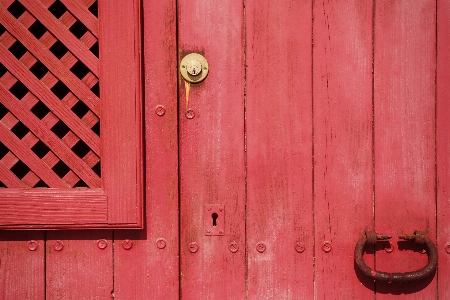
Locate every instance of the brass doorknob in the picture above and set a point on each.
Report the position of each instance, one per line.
(194, 68)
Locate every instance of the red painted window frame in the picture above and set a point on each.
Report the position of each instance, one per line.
(119, 202)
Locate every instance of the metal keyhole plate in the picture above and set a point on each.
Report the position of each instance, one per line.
(214, 219)
(194, 68)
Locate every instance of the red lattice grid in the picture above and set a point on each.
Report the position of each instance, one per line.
(49, 94)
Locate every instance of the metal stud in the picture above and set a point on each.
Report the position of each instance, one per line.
(127, 244)
(193, 247)
(326, 246)
(260, 247)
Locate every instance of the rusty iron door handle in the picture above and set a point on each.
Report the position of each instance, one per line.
(370, 237)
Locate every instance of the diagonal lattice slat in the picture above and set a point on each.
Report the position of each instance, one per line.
(83, 14)
(9, 179)
(49, 94)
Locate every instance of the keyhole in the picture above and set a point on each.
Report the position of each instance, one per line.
(214, 217)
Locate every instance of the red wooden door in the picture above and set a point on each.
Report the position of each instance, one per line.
(339, 109)
(316, 121)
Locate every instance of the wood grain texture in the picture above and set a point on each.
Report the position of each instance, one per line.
(53, 208)
(121, 119)
(9, 178)
(343, 193)
(404, 106)
(146, 271)
(212, 149)
(80, 270)
(443, 146)
(279, 149)
(22, 271)
(81, 12)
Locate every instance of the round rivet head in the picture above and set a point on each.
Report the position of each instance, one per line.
(193, 247)
(390, 248)
(32, 245)
(102, 244)
(161, 243)
(160, 110)
(299, 247)
(127, 244)
(233, 247)
(447, 248)
(190, 114)
(260, 247)
(58, 245)
(326, 247)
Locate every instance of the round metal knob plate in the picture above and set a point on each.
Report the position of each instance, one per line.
(194, 68)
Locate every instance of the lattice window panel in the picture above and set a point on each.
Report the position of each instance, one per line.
(49, 137)
(50, 102)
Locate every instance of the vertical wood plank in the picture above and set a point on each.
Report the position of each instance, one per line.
(343, 192)
(404, 106)
(443, 147)
(146, 271)
(279, 149)
(22, 271)
(121, 124)
(212, 149)
(79, 269)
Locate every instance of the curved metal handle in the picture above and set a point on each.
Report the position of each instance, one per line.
(370, 237)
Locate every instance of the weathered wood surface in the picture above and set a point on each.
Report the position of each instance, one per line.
(343, 184)
(22, 265)
(279, 149)
(212, 149)
(150, 269)
(443, 147)
(121, 120)
(77, 266)
(404, 137)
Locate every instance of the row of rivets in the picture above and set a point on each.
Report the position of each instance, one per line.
(160, 110)
(127, 244)
(233, 247)
(260, 247)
